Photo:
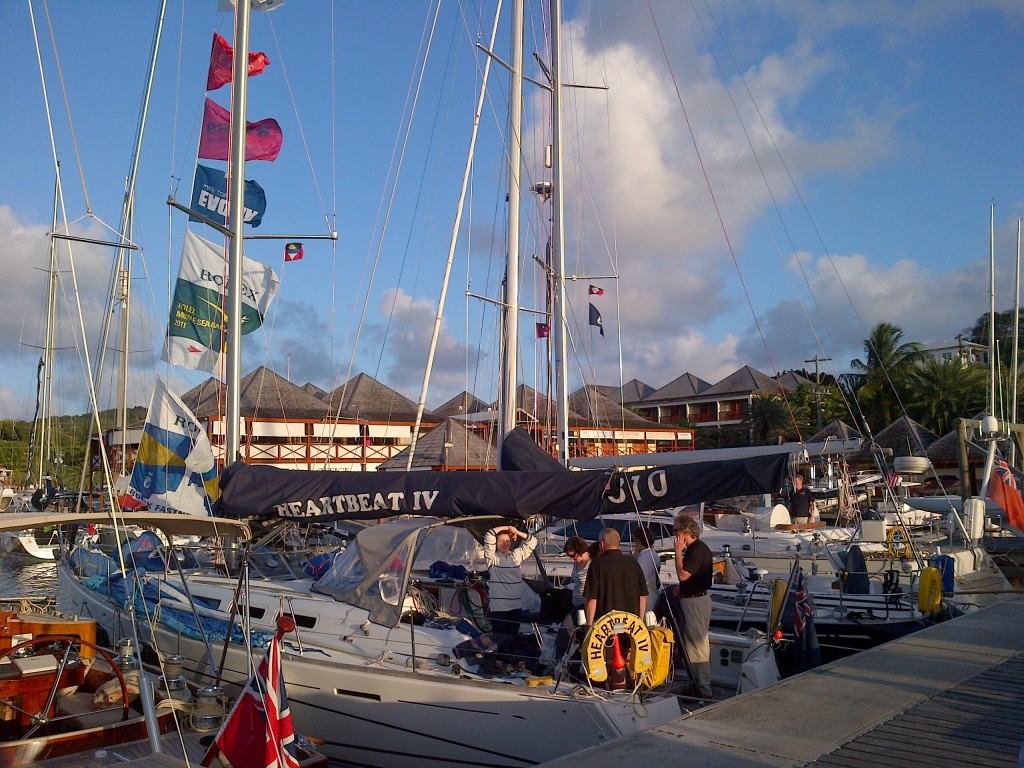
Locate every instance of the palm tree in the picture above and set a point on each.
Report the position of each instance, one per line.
(886, 370)
(767, 418)
(945, 390)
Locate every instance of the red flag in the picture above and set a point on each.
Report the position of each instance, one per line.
(259, 733)
(543, 330)
(1003, 490)
(293, 252)
(595, 291)
(263, 139)
(221, 63)
(801, 603)
(130, 503)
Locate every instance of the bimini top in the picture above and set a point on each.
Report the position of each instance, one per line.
(171, 524)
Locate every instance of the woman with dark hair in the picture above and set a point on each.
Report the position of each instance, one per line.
(581, 553)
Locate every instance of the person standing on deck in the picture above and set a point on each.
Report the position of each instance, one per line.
(615, 581)
(505, 582)
(799, 502)
(695, 569)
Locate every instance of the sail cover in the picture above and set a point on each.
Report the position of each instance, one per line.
(705, 481)
(316, 495)
(312, 495)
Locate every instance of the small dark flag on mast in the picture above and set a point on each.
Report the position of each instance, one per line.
(595, 318)
(293, 252)
(595, 291)
(543, 330)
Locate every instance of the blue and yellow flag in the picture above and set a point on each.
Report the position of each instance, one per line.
(175, 469)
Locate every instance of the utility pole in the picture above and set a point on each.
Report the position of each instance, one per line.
(817, 384)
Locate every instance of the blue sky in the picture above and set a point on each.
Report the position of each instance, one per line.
(742, 156)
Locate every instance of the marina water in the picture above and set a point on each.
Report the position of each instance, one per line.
(26, 577)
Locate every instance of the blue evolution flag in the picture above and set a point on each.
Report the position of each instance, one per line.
(595, 318)
(210, 197)
(175, 469)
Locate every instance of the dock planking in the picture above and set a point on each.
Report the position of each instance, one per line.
(948, 695)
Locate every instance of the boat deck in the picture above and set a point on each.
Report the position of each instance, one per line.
(948, 695)
(138, 754)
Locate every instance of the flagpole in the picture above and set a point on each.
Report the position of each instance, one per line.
(510, 362)
(558, 239)
(236, 217)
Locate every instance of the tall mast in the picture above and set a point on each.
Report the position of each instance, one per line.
(992, 311)
(1016, 332)
(236, 214)
(510, 326)
(558, 240)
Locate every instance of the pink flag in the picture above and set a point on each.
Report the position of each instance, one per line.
(262, 142)
(221, 63)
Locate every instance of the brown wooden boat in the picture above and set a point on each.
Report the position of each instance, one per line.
(62, 695)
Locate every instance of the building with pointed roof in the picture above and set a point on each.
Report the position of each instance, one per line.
(668, 404)
(905, 437)
(460, 405)
(690, 400)
(314, 390)
(449, 446)
(366, 399)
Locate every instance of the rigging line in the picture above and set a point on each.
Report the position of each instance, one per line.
(298, 120)
(413, 216)
(67, 104)
(710, 188)
(46, 99)
(771, 193)
(332, 315)
(460, 207)
(414, 94)
(816, 230)
(175, 181)
(757, 160)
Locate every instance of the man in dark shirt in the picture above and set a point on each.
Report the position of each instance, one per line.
(800, 502)
(695, 570)
(615, 582)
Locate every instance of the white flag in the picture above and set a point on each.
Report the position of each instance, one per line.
(175, 469)
(195, 331)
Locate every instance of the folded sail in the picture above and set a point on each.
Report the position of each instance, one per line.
(175, 469)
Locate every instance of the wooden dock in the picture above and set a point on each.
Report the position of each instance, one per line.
(948, 695)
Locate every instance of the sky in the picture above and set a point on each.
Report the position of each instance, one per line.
(750, 183)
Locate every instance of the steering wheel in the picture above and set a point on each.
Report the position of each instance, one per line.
(41, 717)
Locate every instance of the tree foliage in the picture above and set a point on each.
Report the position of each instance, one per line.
(886, 373)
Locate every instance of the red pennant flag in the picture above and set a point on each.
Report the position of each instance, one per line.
(595, 291)
(543, 330)
(263, 139)
(293, 252)
(221, 63)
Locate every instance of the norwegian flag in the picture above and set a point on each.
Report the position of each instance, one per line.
(259, 733)
(802, 603)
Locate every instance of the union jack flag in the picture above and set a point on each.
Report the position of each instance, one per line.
(1006, 474)
(259, 732)
(803, 604)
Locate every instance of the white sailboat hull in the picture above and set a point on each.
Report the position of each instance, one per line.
(371, 708)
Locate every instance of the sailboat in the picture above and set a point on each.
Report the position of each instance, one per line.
(387, 663)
